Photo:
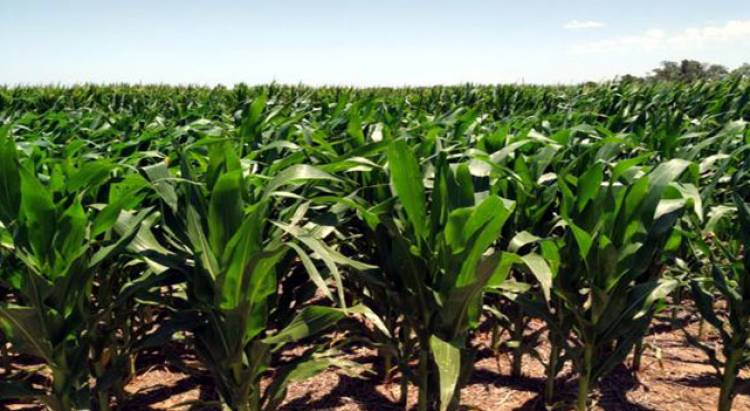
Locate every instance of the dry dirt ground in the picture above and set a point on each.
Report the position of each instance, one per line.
(674, 377)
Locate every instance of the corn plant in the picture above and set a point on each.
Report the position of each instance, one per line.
(203, 205)
(606, 286)
(232, 259)
(434, 256)
(52, 316)
(518, 168)
(727, 265)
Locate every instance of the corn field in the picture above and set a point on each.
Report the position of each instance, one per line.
(242, 222)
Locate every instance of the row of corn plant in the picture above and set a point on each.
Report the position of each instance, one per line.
(424, 211)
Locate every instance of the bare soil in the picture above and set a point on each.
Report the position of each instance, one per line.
(674, 376)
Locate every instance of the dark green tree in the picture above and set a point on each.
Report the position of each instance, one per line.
(743, 71)
(688, 71)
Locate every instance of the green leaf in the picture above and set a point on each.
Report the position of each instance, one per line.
(39, 214)
(248, 270)
(589, 183)
(691, 192)
(160, 178)
(107, 217)
(225, 210)
(455, 229)
(666, 214)
(659, 178)
(301, 370)
(541, 271)
(10, 179)
(71, 232)
(354, 129)
(406, 180)
(624, 165)
(310, 321)
(129, 228)
(199, 243)
(487, 221)
(370, 315)
(312, 271)
(520, 240)
(461, 189)
(25, 329)
(255, 112)
(583, 239)
(296, 174)
(715, 216)
(90, 174)
(329, 256)
(462, 302)
(143, 243)
(448, 360)
(440, 200)
(502, 264)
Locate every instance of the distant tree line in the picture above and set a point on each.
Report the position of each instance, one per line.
(688, 71)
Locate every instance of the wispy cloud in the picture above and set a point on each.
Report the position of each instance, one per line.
(694, 38)
(583, 25)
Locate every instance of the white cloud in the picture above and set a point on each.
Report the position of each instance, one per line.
(695, 38)
(583, 25)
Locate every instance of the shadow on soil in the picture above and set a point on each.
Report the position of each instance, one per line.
(711, 380)
(611, 397)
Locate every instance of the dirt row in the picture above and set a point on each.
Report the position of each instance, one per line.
(674, 376)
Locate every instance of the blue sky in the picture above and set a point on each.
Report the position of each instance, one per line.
(361, 43)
